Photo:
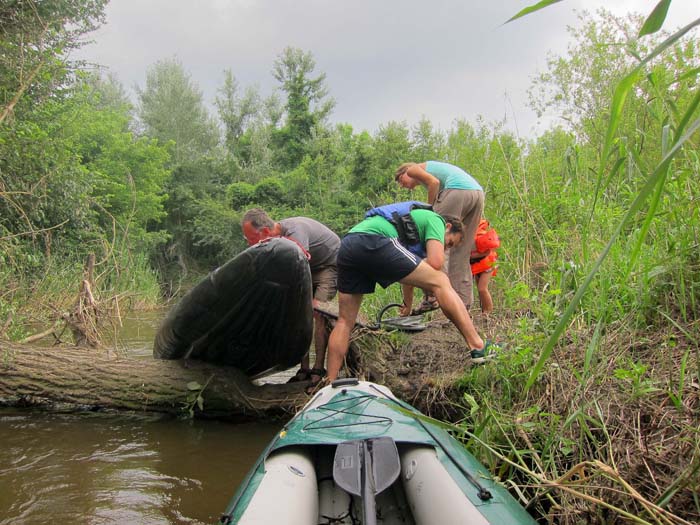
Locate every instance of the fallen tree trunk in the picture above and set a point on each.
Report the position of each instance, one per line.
(418, 368)
(89, 379)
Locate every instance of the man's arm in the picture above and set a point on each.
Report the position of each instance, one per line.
(436, 253)
(417, 172)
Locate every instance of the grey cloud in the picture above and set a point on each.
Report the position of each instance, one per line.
(384, 59)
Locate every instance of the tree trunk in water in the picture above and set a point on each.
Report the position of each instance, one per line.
(79, 378)
(418, 368)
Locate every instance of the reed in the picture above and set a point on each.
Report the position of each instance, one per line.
(32, 302)
(591, 414)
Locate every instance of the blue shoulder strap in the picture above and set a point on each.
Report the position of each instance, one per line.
(402, 208)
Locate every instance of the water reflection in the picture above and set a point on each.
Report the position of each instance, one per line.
(136, 332)
(98, 469)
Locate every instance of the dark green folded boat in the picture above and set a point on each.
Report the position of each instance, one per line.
(253, 313)
(357, 455)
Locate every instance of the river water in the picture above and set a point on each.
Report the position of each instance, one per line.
(101, 469)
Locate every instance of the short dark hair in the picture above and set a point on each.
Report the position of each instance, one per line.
(454, 222)
(258, 219)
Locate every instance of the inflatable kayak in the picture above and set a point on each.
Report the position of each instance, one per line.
(253, 313)
(356, 454)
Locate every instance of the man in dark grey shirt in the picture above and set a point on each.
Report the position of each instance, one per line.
(322, 245)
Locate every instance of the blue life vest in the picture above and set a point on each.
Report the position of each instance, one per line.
(398, 214)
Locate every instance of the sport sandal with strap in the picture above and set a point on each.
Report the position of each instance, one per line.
(315, 386)
(428, 304)
(487, 353)
(303, 374)
(318, 372)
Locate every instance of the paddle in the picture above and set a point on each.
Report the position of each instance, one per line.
(412, 323)
(365, 468)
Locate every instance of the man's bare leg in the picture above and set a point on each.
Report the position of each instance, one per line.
(339, 340)
(425, 276)
(320, 343)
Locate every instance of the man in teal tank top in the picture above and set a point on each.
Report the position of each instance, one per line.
(451, 191)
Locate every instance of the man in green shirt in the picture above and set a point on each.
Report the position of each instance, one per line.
(371, 253)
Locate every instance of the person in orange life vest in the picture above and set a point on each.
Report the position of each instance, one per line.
(483, 262)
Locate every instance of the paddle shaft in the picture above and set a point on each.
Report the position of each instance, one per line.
(369, 504)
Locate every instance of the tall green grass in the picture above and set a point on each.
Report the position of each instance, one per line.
(33, 301)
(592, 412)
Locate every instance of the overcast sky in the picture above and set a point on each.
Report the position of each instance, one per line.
(384, 60)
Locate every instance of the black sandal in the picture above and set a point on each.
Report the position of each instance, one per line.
(319, 372)
(315, 386)
(428, 304)
(303, 374)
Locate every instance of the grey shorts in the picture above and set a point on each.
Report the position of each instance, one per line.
(325, 283)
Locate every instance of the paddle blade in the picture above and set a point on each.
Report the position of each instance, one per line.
(347, 467)
(386, 465)
(374, 460)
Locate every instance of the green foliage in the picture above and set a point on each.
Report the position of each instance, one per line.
(269, 192)
(646, 188)
(377, 160)
(531, 9)
(39, 295)
(198, 217)
(36, 39)
(73, 179)
(128, 174)
(172, 111)
(77, 179)
(44, 186)
(240, 194)
(236, 112)
(307, 104)
(216, 232)
(133, 275)
(656, 19)
(635, 377)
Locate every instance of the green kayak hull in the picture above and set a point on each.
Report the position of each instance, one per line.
(297, 478)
